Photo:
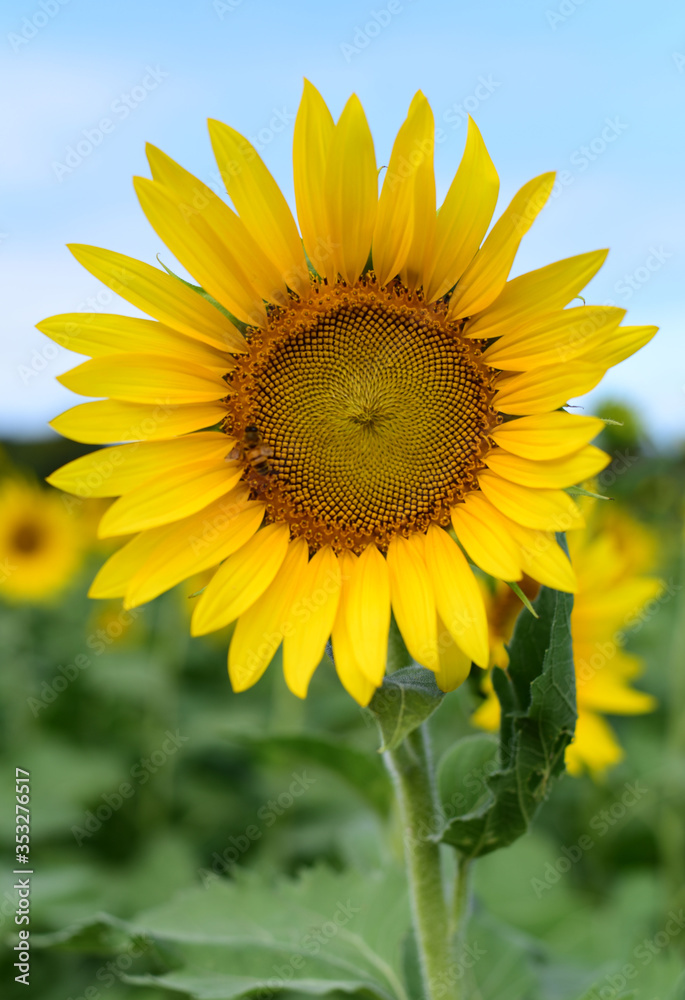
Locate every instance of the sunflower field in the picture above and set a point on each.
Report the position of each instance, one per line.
(342, 534)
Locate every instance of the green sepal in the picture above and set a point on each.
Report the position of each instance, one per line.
(405, 700)
(525, 600)
(579, 491)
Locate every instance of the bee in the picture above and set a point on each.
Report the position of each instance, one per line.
(252, 450)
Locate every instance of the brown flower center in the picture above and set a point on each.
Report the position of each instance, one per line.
(26, 538)
(372, 414)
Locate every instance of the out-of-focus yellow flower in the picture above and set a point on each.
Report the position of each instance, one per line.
(41, 543)
(611, 560)
(112, 625)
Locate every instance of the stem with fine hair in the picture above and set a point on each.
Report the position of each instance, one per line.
(411, 769)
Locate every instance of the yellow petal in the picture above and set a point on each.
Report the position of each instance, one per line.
(555, 339)
(195, 244)
(99, 334)
(486, 276)
(547, 510)
(464, 217)
(547, 388)
(196, 199)
(536, 293)
(623, 600)
(313, 613)
(455, 665)
(179, 494)
(413, 603)
(395, 221)
(538, 552)
(347, 666)
(625, 665)
(554, 473)
(351, 191)
(547, 435)
(110, 420)
(488, 544)
(109, 472)
(488, 715)
(457, 595)
(195, 544)
(241, 579)
(260, 204)
(368, 613)
(421, 249)
(311, 142)
(594, 746)
(113, 578)
(160, 295)
(608, 693)
(145, 378)
(624, 342)
(259, 631)
(542, 558)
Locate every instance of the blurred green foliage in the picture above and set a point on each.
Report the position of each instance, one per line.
(150, 777)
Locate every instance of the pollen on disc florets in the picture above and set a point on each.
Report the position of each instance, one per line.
(373, 408)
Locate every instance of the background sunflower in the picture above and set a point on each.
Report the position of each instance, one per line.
(40, 545)
(616, 595)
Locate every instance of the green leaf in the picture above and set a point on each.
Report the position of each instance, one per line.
(56, 805)
(537, 695)
(405, 700)
(462, 772)
(321, 933)
(506, 964)
(102, 934)
(496, 963)
(364, 772)
(411, 965)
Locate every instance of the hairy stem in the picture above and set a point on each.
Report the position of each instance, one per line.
(411, 770)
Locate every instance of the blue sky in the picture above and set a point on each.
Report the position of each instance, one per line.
(593, 89)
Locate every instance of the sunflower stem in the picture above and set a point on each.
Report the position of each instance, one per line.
(411, 768)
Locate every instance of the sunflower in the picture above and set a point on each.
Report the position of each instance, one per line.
(612, 560)
(325, 414)
(40, 541)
